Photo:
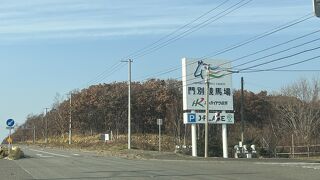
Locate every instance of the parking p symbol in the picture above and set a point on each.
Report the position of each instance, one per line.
(192, 117)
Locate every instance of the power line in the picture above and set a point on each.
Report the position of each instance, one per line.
(288, 70)
(265, 34)
(177, 30)
(250, 40)
(279, 59)
(284, 66)
(110, 72)
(134, 54)
(279, 52)
(277, 45)
(102, 73)
(265, 56)
(196, 28)
(271, 61)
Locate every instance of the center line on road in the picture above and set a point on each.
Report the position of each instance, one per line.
(49, 153)
(41, 155)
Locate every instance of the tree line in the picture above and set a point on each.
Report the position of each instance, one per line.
(269, 118)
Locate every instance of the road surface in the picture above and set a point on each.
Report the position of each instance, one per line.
(55, 164)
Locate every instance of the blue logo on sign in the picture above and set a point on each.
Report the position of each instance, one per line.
(10, 122)
(191, 118)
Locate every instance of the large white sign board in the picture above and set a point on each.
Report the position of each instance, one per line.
(194, 91)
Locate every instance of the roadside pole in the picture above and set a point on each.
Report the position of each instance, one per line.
(10, 125)
(34, 134)
(194, 140)
(159, 138)
(46, 126)
(207, 113)
(292, 144)
(129, 102)
(70, 119)
(159, 122)
(242, 111)
(9, 141)
(224, 141)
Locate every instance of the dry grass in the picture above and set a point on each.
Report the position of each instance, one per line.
(14, 154)
(138, 141)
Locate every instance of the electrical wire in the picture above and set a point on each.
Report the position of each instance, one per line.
(258, 37)
(177, 30)
(112, 70)
(284, 66)
(191, 30)
(102, 73)
(250, 40)
(277, 45)
(279, 52)
(281, 58)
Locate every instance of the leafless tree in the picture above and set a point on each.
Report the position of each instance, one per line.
(297, 110)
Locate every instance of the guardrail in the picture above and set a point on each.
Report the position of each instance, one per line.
(300, 151)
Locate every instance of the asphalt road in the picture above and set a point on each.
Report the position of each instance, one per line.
(54, 164)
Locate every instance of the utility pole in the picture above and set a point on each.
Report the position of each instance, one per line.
(129, 102)
(316, 7)
(242, 111)
(70, 119)
(34, 134)
(207, 112)
(46, 124)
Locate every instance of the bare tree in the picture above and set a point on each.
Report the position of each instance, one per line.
(297, 110)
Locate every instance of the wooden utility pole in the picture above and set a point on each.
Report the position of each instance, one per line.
(242, 111)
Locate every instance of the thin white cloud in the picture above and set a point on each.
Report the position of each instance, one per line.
(81, 18)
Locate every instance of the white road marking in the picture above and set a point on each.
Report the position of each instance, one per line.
(76, 154)
(305, 165)
(287, 163)
(43, 156)
(54, 154)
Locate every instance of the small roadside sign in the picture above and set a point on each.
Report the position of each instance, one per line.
(10, 122)
(9, 140)
(214, 118)
(159, 122)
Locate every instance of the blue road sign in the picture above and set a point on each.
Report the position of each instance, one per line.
(10, 122)
(191, 117)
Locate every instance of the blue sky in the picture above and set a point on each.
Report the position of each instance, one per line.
(55, 46)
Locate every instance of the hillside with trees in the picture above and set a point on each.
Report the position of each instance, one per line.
(270, 119)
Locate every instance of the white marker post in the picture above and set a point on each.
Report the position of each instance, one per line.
(224, 141)
(159, 122)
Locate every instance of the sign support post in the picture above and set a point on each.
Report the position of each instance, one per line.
(9, 142)
(194, 139)
(224, 141)
(10, 124)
